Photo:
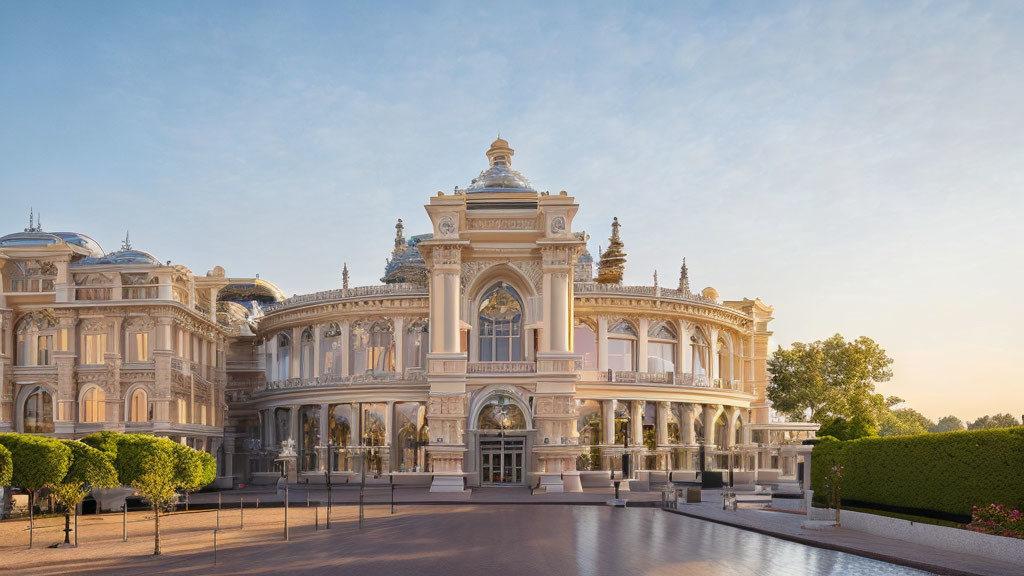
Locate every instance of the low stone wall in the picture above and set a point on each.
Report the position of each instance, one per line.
(942, 537)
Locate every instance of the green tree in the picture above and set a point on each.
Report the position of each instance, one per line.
(105, 441)
(842, 429)
(157, 468)
(6, 466)
(903, 422)
(38, 462)
(90, 468)
(996, 421)
(831, 382)
(947, 424)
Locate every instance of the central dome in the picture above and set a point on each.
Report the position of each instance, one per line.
(500, 176)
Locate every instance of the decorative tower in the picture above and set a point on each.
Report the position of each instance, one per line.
(684, 278)
(613, 260)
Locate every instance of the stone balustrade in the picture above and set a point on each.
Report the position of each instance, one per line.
(501, 368)
(348, 293)
(411, 377)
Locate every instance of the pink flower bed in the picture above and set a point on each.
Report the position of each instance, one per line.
(997, 519)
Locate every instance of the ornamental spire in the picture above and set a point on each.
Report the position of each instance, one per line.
(33, 222)
(684, 278)
(344, 276)
(399, 237)
(613, 260)
(127, 244)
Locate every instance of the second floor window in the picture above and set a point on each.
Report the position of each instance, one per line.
(501, 325)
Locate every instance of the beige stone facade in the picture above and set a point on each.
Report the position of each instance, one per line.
(489, 355)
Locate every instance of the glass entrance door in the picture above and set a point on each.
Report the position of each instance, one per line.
(501, 460)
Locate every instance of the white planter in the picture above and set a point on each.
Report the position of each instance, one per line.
(942, 537)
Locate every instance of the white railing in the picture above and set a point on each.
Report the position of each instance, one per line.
(670, 378)
(343, 293)
(330, 381)
(501, 368)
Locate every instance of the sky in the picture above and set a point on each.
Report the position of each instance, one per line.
(857, 165)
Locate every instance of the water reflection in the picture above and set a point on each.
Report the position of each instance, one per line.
(649, 541)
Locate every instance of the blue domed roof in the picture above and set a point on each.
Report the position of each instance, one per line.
(407, 265)
(120, 258)
(36, 237)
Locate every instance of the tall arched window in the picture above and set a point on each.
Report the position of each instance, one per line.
(661, 348)
(699, 351)
(589, 423)
(37, 417)
(306, 356)
(501, 325)
(91, 407)
(415, 355)
(381, 352)
(501, 413)
(331, 349)
(411, 435)
(284, 356)
(139, 406)
(584, 342)
(724, 360)
(622, 348)
(309, 437)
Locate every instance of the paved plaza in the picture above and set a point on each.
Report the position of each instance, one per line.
(490, 531)
(421, 539)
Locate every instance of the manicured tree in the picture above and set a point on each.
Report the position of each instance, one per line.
(6, 466)
(157, 468)
(147, 464)
(90, 468)
(105, 441)
(38, 462)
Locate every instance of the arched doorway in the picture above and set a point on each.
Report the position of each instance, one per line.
(502, 424)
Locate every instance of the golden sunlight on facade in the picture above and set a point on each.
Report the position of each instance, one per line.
(491, 353)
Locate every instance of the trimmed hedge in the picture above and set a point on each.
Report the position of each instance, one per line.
(945, 473)
(6, 466)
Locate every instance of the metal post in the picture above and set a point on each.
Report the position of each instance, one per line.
(218, 510)
(316, 519)
(76, 526)
(31, 518)
(286, 512)
(392, 479)
(362, 486)
(124, 522)
(186, 501)
(215, 546)
(241, 514)
(257, 502)
(307, 496)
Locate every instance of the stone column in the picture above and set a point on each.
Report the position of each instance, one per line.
(346, 349)
(271, 427)
(608, 421)
(636, 423)
(557, 266)
(602, 343)
(316, 351)
(686, 426)
(710, 415)
(6, 355)
(661, 435)
(730, 436)
(399, 325)
(293, 424)
(641, 345)
(294, 371)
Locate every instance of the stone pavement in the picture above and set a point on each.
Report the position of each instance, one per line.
(788, 527)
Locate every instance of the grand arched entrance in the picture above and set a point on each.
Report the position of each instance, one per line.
(502, 427)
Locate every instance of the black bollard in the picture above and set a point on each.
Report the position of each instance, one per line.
(285, 512)
(124, 522)
(241, 514)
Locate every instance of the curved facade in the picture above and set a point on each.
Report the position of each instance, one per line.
(488, 355)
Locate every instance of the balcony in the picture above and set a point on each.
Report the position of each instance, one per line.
(501, 368)
(253, 365)
(669, 379)
(411, 377)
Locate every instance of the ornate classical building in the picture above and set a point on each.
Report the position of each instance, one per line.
(490, 354)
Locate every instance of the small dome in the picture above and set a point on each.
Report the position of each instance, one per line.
(710, 293)
(407, 265)
(120, 258)
(500, 176)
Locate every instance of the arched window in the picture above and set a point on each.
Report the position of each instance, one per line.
(724, 360)
(284, 356)
(674, 418)
(138, 410)
(340, 428)
(331, 349)
(622, 348)
(91, 407)
(306, 356)
(373, 347)
(700, 354)
(21, 335)
(589, 423)
(309, 431)
(37, 417)
(661, 348)
(623, 417)
(584, 342)
(415, 355)
(501, 413)
(411, 435)
(501, 325)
